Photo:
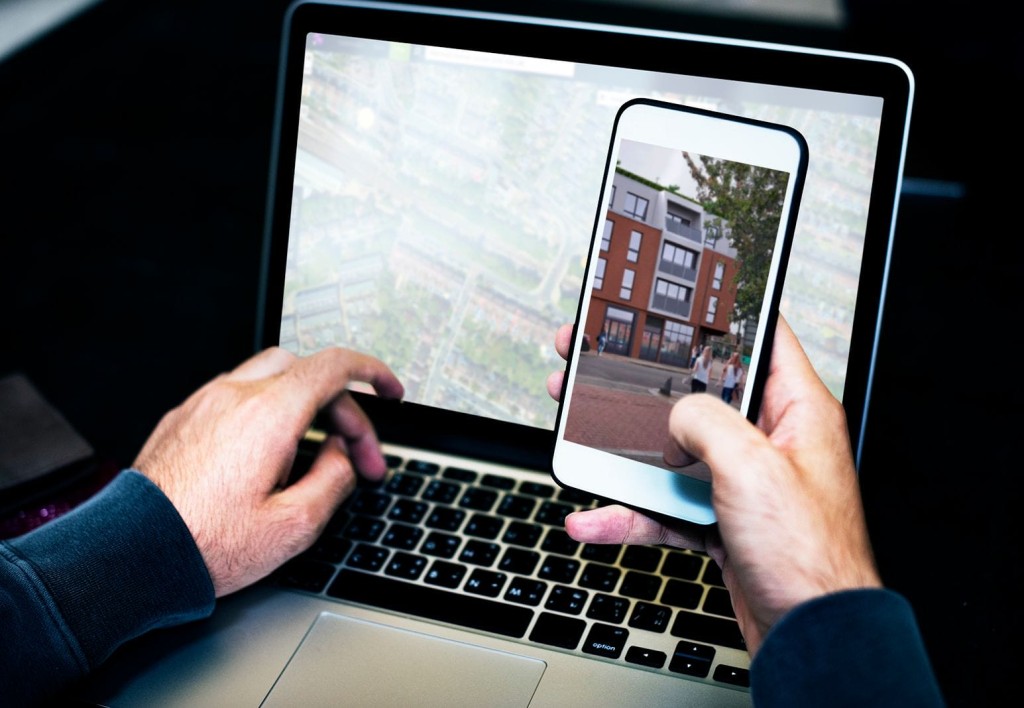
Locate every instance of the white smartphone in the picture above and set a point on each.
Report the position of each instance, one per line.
(681, 294)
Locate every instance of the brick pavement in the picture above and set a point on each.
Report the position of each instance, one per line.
(618, 420)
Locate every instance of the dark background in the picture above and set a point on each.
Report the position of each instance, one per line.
(134, 154)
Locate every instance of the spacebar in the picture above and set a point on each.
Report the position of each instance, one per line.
(431, 603)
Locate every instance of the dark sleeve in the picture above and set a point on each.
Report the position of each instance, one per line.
(856, 648)
(73, 590)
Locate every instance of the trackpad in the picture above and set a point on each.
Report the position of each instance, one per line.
(345, 661)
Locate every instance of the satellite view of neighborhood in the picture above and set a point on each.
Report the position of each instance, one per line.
(444, 203)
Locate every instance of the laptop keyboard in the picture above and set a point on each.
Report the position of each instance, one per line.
(488, 551)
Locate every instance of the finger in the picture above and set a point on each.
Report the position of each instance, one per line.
(269, 362)
(354, 428)
(619, 525)
(563, 339)
(555, 384)
(676, 456)
(321, 490)
(719, 436)
(318, 379)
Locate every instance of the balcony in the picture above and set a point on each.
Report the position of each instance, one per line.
(687, 232)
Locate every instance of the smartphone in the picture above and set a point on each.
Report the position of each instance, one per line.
(688, 256)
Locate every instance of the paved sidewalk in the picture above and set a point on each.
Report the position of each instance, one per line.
(631, 424)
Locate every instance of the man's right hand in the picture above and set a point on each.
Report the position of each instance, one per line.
(790, 519)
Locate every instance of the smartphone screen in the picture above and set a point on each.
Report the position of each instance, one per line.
(717, 196)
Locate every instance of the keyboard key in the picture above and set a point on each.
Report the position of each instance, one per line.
(367, 557)
(692, 659)
(459, 474)
(364, 528)
(479, 553)
(516, 507)
(566, 599)
(404, 484)
(498, 482)
(370, 503)
(685, 566)
(606, 640)
(642, 586)
(574, 496)
(732, 675)
(553, 514)
(305, 574)
(526, 591)
(645, 558)
(522, 534)
(600, 577)
(558, 631)
(680, 593)
(432, 603)
(608, 608)
(402, 536)
(329, 549)
(422, 467)
(393, 462)
(406, 566)
(519, 560)
(558, 569)
(483, 526)
(441, 492)
(602, 553)
(536, 489)
(446, 519)
(653, 618)
(646, 657)
(714, 630)
(478, 499)
(448, 575)
(485, 582)
(440, 544)
(558, 541)
(409, 511)
(713, 574)
(719, 602)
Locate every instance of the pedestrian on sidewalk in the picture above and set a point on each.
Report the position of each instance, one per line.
(602, 342)
(732, 374)
(701, 371)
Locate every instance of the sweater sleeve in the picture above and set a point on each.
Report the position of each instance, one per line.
(75, 589)
(853, 648)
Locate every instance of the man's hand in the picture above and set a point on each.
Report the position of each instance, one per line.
(790, 521)
(224, 456)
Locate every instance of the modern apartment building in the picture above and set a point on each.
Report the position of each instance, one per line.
(665, 275)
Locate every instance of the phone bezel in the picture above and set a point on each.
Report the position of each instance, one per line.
(637, 484)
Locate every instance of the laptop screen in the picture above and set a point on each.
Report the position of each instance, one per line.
(437, 176)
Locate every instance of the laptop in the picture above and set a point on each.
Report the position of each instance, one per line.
(433, 186)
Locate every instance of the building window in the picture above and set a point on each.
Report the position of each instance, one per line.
(712, 308)
(675, 343)
(678, 261)
(671, 218)
(626, 291)
(599, 276)
(716, 281)
(634, 246)
(635, 206)
(671, 297)
(606, 237)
